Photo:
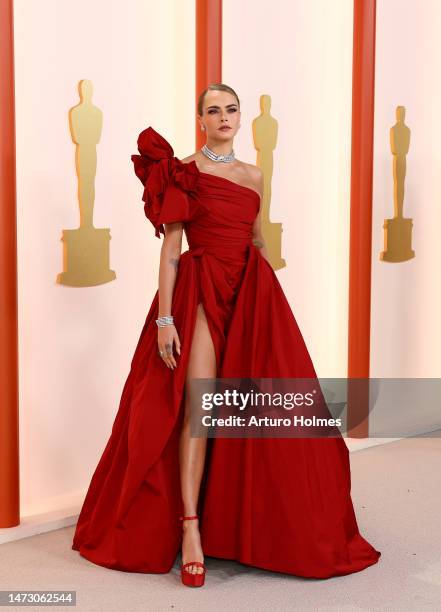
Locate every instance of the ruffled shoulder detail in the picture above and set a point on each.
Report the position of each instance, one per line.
(169, 184)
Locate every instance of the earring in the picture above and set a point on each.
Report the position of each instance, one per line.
(202, 128)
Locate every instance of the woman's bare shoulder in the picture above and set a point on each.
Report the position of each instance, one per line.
(254, 171)
(244, 173)
(255, 176)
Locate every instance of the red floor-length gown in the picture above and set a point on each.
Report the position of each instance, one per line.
(278, 504)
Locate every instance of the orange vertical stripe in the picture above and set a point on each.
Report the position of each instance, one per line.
(208, 50)
(9, 457)
(360, 248)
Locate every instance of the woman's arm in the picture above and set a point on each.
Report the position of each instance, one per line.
(258, 239)
(168, 265)
(168, 269)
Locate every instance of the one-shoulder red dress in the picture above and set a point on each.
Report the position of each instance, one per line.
(275, 503)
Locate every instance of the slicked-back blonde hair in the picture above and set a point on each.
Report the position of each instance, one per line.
(216, 87)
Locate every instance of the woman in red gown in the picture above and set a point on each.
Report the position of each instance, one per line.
(280, 504)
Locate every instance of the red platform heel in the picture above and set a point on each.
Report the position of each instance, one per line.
(192, 580)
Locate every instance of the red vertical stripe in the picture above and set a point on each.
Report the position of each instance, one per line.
(9, 459)
(360, 249)
(208, 50)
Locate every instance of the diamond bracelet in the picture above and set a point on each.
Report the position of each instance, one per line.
(163, 321)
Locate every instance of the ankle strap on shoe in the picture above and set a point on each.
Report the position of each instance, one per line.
(187, 518)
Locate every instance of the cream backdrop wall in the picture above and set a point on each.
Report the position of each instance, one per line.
(300, 53)
(406, 297)
(76, 344)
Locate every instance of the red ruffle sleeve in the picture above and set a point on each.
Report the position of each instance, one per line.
(169, 184)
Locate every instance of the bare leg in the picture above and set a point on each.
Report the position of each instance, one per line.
(202, 364)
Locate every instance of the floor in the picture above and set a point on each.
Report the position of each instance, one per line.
(396, 490)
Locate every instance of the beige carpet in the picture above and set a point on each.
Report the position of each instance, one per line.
(396, 490)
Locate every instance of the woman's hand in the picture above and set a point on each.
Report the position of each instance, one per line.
(166, 337)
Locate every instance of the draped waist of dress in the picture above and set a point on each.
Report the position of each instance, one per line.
(234, 250)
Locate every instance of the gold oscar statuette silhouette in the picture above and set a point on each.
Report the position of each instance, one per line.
(398, 231)
(86, 248)
(265, 130)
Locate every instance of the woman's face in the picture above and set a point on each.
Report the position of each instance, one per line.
(220, 108)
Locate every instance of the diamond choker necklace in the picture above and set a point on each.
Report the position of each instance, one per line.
(218, 158)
